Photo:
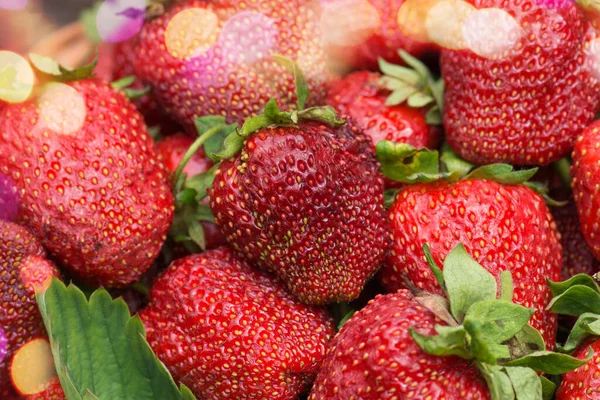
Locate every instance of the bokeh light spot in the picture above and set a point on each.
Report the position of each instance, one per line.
(248, 37)
(444, 23)
(62, 109)
(349, 22)
(191, 32)
(592, 53)
(13, 4)
(3, 345)
(119, 20)
(412, 16)
(9, 198)
(491, 33)
(16, 77)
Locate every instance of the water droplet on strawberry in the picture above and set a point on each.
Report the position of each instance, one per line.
(445, 21)
(9, 198)
(191, 32)
(491, 33)
(62, 109)
(119, 20)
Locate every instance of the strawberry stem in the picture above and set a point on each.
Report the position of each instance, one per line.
(194, 148)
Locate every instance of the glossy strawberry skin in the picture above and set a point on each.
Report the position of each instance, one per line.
(502, 227)
(23, 266)
(577, 257)
(173, 148)
(583, 382)
(586, 157)
(228, 331)
(359, 96)
(384, 40)
(374, 357)
(53, 392)
(529, 108)
(306, 203)
(97, 197)
(230, 76)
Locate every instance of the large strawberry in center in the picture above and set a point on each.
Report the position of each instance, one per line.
(213, 58)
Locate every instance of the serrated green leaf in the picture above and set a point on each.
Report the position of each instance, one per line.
(575, 301)
(499, 320)
(587, 324)
(418, 100)
(525, 382)
(528, 340)
(100, 332)
(467, 282)
(549, 362)
(502, 173)
(404, 163)
(498, 381)
(302, 91)
(558, 288)
(452, 163)
(449, 341)
(196, 233)
(506, 286)
(435, 269)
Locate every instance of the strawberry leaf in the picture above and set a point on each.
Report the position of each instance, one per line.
(558, 288)
(498, 381)
(99, 350)
(587, 324)
(506, 286)
(452, 163)
(302, 91)
(404, 163)
(437, 272)
(502, 173)
(528, 340)
(549, 362)
(450, 341)
(548, 388)
(50, 70)
(575, 301)
(499, 320)
(525, 382)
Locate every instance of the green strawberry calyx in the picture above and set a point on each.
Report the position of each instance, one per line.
(123, 85)
(49, 69)
(413, 84)
(488, 329)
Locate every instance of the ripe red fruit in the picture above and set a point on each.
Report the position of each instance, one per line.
(92, 188)
(581, 383)
(360, 97)
(502, 227)
(228, 331)
(374, 353)
(306, 203)
(53, 392)
(358, 32)
(577, 257)
(215, 58)
(585, 183)
(23, 270)
(173, 148)
(526, 108)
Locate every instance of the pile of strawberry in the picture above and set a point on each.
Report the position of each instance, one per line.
(293, 206)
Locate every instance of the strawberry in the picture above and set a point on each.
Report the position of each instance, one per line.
(173, 148)
(53, 392)
(92, 188)
(424, 346)
(23, 271)
(577, 257)
(213, 58)
(526, 102)
(505, 227)
(585, 181)
(358, 32)
(231, 332)
(581, 383)
(9, 198)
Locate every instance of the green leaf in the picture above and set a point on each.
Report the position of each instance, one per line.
(389, 197)
(50, 69)
(575, 301)
(548, 388)
(201, 182)
(404, 163)
(404, 74)
(399, 96)
(216, 143)
(85, 335)
(449, 341)
(437, 271)
(122, 83)
(558, 288)
(501, 387)
(415, 64)
(467, 282)
(499, 320)
(478, 347)
(418, 100)
(525, 382)
(302, 91)
(502, 173)
(203, 213)
(453, 164)
(326, 114)
(196, 232)
(528, 340)
(232, 145)
(434, 116)
(543, 190)
(549, 362)
(587, 324)
(186, 196)
(506, 286)
(345, 319)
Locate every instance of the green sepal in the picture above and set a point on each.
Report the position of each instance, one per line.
(406, 164)
(525, 382)
(558, 288)
(506, 286)
(499, 320)
(498, 382)
(302, 91)
(449, 341)
(502, 173)
(345, 319)
(435, 269)
(587, 324)
(439, 305)
(543, 190)
(527, 341)
(550, 363)
(389, 197)
(50, 70)
(453, 164)
(548, 388)
(123, 84)
(575, 301)
(216, 143)
(478, 346)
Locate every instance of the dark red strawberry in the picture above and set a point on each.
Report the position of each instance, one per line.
(586, 156)
(214, 58)
(504, 227)
(358, 32)
(23, 271)
(232, 332)
(92, 188)
(524, 98)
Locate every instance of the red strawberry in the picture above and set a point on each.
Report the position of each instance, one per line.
(585, 184)
(173, 148)
(358, 32)
(305, 202)
(231, 332)
(577, 257)
(374, 357)
(583, 382)
(53, 392)
(502, 227)
(361, 97)
(23, 270)
(214, 58)
(92, 188)
(527, 104)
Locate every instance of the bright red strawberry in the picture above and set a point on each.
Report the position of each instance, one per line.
(586, 156)
(92, 188)
(374, 357)
(306, 202)
(53, 392)
(173, 148)
(214, 58)
(23, 270)
(526, 103)
(232, 332)
(504, 227)
(358, 32)
(361, 97)
(583, 382)
(577, 257)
